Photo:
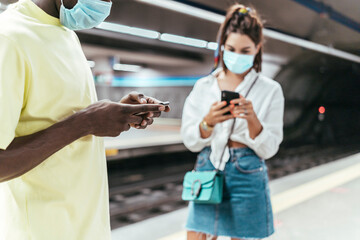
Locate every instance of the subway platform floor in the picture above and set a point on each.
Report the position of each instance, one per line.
(318, 203)
(160, 137)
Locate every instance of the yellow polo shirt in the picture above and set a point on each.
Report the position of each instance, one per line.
(44, 77)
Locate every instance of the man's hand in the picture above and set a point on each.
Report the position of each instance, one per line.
(106, 118)
(134, 98)
(103, 118)
(147, 117)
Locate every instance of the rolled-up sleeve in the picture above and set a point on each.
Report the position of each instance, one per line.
(12, 90)
(192, 116)
(267, 143)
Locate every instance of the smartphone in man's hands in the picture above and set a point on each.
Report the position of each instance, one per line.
(167, 103)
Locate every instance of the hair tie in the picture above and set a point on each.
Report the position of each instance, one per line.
(244, 11)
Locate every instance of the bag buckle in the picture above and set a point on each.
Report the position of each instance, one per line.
(197, 192)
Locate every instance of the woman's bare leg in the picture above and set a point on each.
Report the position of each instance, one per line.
(199, 236)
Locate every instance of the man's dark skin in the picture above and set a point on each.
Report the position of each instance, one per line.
(52, 7)
(103, 118)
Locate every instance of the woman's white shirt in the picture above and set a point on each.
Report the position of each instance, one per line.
(268, 102)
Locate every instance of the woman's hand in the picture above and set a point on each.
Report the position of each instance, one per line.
(246, 111)
(215, 116)
(216, 113)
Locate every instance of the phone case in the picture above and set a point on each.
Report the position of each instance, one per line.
(228, 96)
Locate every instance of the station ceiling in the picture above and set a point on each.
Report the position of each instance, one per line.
(286, 16)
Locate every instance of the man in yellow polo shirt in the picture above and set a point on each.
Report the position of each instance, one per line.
(53, 178)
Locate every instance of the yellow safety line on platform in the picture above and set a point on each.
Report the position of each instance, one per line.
(302, 193)
(287, 199)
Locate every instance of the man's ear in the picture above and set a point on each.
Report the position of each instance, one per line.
(58, 5)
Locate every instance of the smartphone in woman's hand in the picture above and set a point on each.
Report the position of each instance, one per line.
(228, 96)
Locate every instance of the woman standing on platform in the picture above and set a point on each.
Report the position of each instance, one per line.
(245, 211)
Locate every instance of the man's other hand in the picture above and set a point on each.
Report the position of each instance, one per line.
(148, 117)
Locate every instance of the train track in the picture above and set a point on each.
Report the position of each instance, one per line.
(138, 192)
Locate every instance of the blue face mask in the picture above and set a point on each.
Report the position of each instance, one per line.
(238, 63)
(85, 14)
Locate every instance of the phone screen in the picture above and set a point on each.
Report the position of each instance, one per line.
(165, 103)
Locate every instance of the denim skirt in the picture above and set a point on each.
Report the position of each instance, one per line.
(245, 211)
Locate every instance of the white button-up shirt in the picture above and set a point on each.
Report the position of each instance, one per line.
(268, 103)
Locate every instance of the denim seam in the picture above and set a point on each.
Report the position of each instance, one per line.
(216, 219)
(266, 204)
(248, 171)
(201, 161)
(243, 154)
(202, 158)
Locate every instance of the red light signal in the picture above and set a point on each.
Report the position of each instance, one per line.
(322, 110)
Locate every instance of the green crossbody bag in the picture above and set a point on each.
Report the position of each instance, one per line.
(206, 186)
(203, 187)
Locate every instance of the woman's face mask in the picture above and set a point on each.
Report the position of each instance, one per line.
(239, 53)
(85, 14)
(238, 63)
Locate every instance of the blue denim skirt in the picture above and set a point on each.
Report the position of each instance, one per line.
(245, 211)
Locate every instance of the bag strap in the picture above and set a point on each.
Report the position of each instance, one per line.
(233, 124)
(252, 85)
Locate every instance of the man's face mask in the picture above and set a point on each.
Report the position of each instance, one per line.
(85, 14)
(238, 63)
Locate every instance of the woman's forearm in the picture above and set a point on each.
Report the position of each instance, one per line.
(254, 127)
(204, 134)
